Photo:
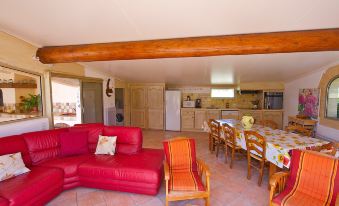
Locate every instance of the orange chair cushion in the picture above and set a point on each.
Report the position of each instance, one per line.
(181, 158)
(185, 181)
(314, 180)
(180, 154)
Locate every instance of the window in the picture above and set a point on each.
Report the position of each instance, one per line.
(332, 101)
(20, 94)
(222, 93)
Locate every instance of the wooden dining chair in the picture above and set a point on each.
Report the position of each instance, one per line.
(214, 137)
(299, 130)
(184, 172)
(329, 149)
(256, 149)
(230, 142)
(269, 123)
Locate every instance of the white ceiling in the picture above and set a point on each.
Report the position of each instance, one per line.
(47, 22)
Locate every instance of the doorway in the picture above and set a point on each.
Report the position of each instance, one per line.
(76, 100)
(66, 102)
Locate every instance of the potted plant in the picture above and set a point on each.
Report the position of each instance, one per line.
(31, 103)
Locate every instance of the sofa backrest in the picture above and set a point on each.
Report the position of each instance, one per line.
(129, 139)
(94, 130)
(43, 145)
(14, 144)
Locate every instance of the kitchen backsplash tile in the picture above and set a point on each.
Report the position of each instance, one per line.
(240, 101)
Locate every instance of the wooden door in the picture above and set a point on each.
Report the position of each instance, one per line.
(187, 119)
(199, 118)
(275, 116)
(138, 107)
(155, 107)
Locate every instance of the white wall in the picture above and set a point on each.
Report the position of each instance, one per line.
(109, 102)
(24, 126)
(291, 94)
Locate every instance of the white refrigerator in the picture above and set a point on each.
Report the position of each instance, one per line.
(173, 106)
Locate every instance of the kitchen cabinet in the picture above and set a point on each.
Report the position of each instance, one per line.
(187, 119)
(147, 106)
(275, 116)
(213, 114)
(199, 118)
(229, 114)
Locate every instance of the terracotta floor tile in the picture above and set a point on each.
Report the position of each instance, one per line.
(229, 187)
(113, 198)
(91, 198)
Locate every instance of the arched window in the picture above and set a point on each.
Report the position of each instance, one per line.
(329, 98)
(332, 99)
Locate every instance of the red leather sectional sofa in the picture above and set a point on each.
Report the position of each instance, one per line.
(131, 169)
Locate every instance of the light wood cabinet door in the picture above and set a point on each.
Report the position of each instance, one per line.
(127, 107)
(275, 116)
(231, 115)
(138, 118)
(199, 118)
(127, 116)
(138, 98)
(213, 114)
(155, 97)
(155, 107)
(155, 119)
(187, 120)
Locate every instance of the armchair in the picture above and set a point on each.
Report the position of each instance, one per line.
(306, 184)
(176, 189)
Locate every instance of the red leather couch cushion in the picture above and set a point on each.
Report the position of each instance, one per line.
(94, 130)
(129, 139)
(14, 144)
(145, 167)
(68, 164)
(73, 143)
(38, 185)
(43, 145)
(3, 202)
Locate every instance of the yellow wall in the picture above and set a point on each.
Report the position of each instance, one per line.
(18, 53)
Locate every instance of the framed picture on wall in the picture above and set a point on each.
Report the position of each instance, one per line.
(309, 102)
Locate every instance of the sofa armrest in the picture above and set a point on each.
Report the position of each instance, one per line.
(277, 184)
(203, 169)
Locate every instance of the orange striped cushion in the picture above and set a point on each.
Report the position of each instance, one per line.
(180, 154)
(313, 180)
(185, 181)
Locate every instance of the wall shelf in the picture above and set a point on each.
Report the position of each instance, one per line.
(18, 85)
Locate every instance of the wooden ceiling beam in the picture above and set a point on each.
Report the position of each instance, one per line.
(242, 44)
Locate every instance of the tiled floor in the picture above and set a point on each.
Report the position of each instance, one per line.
(229, 187)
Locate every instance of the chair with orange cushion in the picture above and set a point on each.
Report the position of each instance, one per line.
(313, 180)
(183, 172)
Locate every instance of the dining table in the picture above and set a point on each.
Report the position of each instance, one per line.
(279, 143)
